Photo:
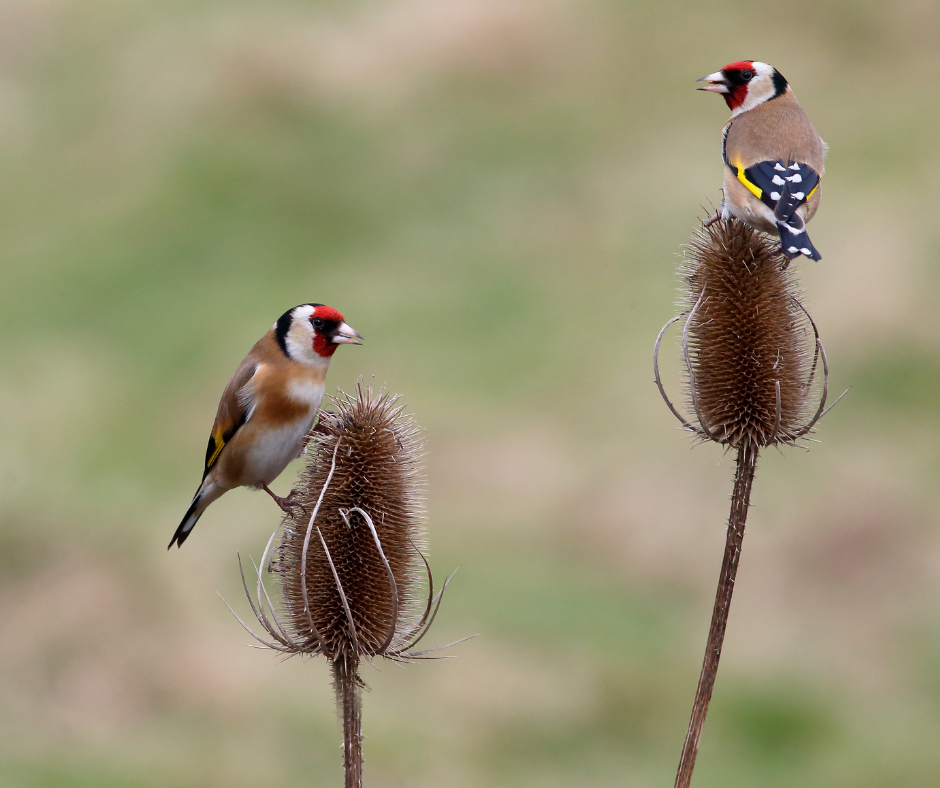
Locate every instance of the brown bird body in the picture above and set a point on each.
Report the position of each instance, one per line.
(772, 154)
(269, 406)
(772, 131)
(283, 397)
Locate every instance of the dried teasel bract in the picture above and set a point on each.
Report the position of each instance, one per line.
(752, 356)
(350, 559)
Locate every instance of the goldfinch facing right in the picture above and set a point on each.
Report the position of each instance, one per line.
(269, 406)
(772, 154)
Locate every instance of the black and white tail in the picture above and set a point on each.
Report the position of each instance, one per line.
(193, 513)
(790, 225)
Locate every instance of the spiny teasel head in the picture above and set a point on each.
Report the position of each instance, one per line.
(750, 348)
(348, 559)
(364, 462)
(350, 562)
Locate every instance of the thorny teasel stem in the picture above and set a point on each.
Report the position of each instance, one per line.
(349, 697)
(740, 500)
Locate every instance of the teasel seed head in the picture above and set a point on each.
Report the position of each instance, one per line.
(350, 558)
(750, 349)
(368, 526)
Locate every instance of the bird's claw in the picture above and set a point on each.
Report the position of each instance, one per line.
(288, 502)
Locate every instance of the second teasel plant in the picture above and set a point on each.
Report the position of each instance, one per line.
(752, 360)
(349, 558)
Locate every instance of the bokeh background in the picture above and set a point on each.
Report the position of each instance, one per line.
(494, 192)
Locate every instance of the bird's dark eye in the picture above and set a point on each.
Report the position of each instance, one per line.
(317, 323)
(747, 74)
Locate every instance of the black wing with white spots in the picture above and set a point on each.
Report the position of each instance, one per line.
(772, 177)
(784, 188)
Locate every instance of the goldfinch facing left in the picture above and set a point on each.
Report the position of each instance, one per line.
(269, 406)
(772, 154)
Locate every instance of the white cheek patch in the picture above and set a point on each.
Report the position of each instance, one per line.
(759, 89)
(299, 343)
(299, 347)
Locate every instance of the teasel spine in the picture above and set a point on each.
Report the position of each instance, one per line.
(755, 393)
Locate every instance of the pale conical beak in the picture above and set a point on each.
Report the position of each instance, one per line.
(717, 83)
(346, 335)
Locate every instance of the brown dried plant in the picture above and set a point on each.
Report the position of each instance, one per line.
(350, 565)
(751, 354)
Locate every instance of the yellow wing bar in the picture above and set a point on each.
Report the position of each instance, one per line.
(750, 186)
(219, 443)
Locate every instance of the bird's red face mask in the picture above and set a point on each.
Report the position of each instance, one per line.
(731, 82)
(330, 331)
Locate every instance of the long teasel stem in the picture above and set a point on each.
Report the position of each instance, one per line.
(349, 696)
(740, 500)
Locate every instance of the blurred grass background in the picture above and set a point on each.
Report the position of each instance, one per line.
(493, 192)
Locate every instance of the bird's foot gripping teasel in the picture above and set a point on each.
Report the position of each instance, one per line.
(288, 502)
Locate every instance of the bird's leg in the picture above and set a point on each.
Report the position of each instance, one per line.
(719, 213)
(287, 503)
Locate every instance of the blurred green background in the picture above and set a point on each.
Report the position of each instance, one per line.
(494, 193)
